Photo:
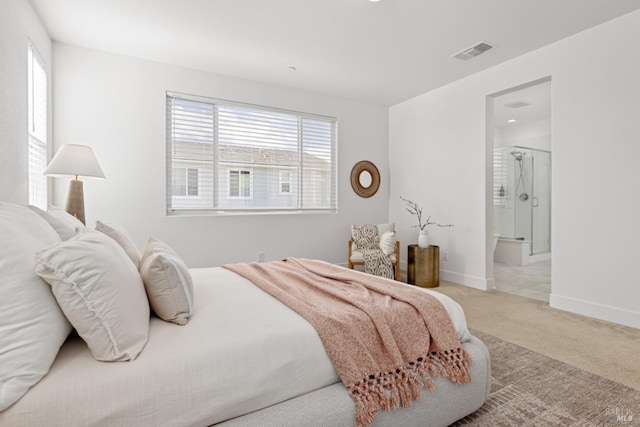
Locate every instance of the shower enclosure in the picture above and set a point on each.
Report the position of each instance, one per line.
(522, 196)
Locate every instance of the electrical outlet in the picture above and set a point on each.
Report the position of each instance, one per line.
(445, 256)
(260, 256)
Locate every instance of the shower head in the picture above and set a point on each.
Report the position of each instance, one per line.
(518, 155)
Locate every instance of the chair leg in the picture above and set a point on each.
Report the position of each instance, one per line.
(397, 265)
(349, 263)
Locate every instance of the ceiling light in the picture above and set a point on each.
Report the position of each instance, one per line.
(511, 121)
(374, 1)
(292, 68)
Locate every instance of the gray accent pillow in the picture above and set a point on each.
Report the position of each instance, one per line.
(167, 281)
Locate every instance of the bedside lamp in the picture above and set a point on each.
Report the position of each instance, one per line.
(75, 160)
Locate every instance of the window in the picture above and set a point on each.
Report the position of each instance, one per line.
(248, 158)
(499, 178)
(37, 140)
(185, 182)
(239, 183)
(192, 182)
(285, 182)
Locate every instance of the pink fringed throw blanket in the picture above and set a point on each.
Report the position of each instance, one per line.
(385, 339)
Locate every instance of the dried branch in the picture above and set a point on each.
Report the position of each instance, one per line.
(414, 209)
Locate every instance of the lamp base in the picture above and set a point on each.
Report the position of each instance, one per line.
(75, 200)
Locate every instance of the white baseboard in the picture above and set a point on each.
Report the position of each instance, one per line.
(598, 311)
(460, 279)
(539, 257)
(463, 279)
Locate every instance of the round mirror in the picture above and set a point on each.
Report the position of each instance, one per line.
(365, 178)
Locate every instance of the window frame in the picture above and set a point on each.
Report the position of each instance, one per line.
(316, 155)
(38, 146)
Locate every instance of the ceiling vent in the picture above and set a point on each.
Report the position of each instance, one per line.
(473, 51)
(517, 104)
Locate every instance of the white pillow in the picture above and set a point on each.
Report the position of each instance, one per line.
(121, 236)
(63, 228)
(100, 292)
(388, 242)
(32, 326)
(167, 281)
(65, 217)
(383, 228)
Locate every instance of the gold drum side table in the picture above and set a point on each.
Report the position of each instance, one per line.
(423, 267)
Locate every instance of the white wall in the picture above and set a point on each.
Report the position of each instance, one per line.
(439, 156)
(116, 104)
(18, 25)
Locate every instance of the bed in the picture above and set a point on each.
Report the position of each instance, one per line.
(243, 359)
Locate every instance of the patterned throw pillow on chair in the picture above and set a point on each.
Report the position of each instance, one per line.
(367, 241)
(365, 237)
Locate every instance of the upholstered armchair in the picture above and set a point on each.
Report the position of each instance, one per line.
(356, 258)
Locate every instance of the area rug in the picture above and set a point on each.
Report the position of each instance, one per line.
(530, 389)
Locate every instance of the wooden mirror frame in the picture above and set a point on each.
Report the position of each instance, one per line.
(365, 166)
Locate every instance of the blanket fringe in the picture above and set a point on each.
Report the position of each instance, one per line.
(389, 390)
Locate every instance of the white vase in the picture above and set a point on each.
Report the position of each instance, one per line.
(423, 239)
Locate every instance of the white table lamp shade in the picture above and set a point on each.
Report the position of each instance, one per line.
(75, 160)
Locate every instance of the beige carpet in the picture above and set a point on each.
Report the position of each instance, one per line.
(602, 348)
(529, 389)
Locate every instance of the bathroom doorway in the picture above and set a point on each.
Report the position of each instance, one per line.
(521, 189)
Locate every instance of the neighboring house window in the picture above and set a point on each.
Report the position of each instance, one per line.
(185, 182)
(285, 182)
(249, 158)
(37, 112)
(240, 183)
(192, 182)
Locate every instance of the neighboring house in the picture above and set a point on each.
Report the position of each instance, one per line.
(265, 176)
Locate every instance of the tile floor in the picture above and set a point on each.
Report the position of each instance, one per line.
(531, 281)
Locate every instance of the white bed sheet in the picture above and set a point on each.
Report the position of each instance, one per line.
(242, 350)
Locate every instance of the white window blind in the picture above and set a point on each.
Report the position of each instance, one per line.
(248, 158)
(500, 170)
(37, 111)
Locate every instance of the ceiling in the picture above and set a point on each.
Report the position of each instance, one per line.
(383, 52)
(522, 106)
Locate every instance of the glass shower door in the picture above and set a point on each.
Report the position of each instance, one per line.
(541, 203)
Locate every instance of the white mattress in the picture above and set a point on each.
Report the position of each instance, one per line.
(242, 351)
